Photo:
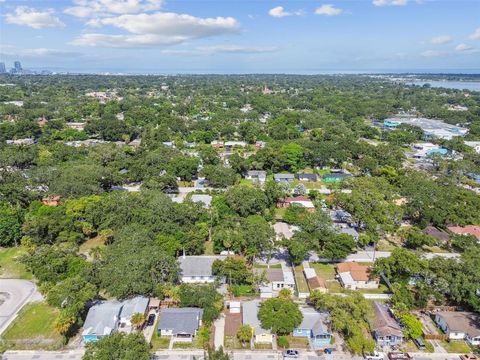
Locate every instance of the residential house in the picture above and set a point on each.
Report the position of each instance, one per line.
(349, 231)
(466, 230)
(52, 200)
(386, 330)
(181, 323)
(250, 317)
(206, 200)
(314, 328)
(297, 200)
(102, 319)
(308, 177)
(79, 126)
(229, 145)
(336, 176)
(277, 278)
(474, 144)
(105, 317)
(460, 325)
(132, 306)
(260, 144)
(259, 176)
(135, 143)
(198, 269)
(217, 144)
(287, 178)
(354, 276)
(437, 234)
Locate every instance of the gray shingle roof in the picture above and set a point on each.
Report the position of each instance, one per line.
(102, 318)
(197, 265)
(135, 305)
(180, 320)
(283, 176)
(384, 323)
(250, 316)
(314, 321)
(205, 199)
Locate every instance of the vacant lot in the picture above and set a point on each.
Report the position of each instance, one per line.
(10, 266)
(34, 328)
(325, 271)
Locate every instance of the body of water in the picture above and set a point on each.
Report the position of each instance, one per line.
(449, 84)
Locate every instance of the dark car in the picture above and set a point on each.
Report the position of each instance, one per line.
(150, 320)
(291, 354)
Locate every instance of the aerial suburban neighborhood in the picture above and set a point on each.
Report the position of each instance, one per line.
(163, 213)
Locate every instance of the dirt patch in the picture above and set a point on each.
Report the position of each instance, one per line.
(232, 324)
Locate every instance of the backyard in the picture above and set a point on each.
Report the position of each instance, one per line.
(300, 280)
(34, 328)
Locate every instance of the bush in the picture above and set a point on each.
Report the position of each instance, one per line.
(282, 342)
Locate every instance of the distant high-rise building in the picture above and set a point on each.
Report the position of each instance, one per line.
(3, 70)
(17, 65)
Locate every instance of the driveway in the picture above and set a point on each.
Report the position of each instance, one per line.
(219, 331)
(15, 294)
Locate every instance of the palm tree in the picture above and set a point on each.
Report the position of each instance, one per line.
(137, 320)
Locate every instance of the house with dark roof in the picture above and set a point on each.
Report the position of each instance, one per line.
(437, 234)
(276, 279)
(198, 269)
(314, 328)
(460, 325)
(181, 323)
(386, 330)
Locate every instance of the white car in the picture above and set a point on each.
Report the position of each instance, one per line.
(374, 356)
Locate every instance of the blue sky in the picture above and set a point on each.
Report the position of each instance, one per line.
(241, 36)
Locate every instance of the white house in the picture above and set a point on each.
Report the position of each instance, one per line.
(276, 279)
(198, 269)
(460, 325)
(256, 175)
(474, 144)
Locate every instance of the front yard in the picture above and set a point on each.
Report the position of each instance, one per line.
(10, 266)
(34, 329)
(455, 346)
(296, 342)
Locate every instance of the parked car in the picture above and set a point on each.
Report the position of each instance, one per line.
(420, 344)
(150, 320)
(374, 356)
(291, 354)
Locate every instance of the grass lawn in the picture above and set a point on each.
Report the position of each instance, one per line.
(297, 342)
(209, 248)
(325, 271)
(34, 328)
(97, 241)
(410, 346)
(10, 267)
(302, 285)
(382, 289)
(159, 342)
(280, 213)
(187, 345)
(273, 266)
(455, 346)
(334, 287)
(263, 346)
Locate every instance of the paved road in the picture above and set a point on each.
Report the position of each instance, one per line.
(43, 355)
(15, 293)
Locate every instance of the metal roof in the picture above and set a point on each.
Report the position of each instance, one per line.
(180, 320)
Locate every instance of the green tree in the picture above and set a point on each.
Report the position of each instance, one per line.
(244, 334)
(11, 219)
(118, 346)
(412, 327)
(280, 315)
(246, 200)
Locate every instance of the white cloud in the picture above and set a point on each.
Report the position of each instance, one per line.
(160, 28)
(10, 51)
(217, 49)
(389, 2)
(279, 12)
(36, 19)
(463, 47)
(475, 35)
(440, 40)
(93, 8)
(328, 10)
(433, 53)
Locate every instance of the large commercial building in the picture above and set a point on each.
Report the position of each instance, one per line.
(3, 70)
(432, 128)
